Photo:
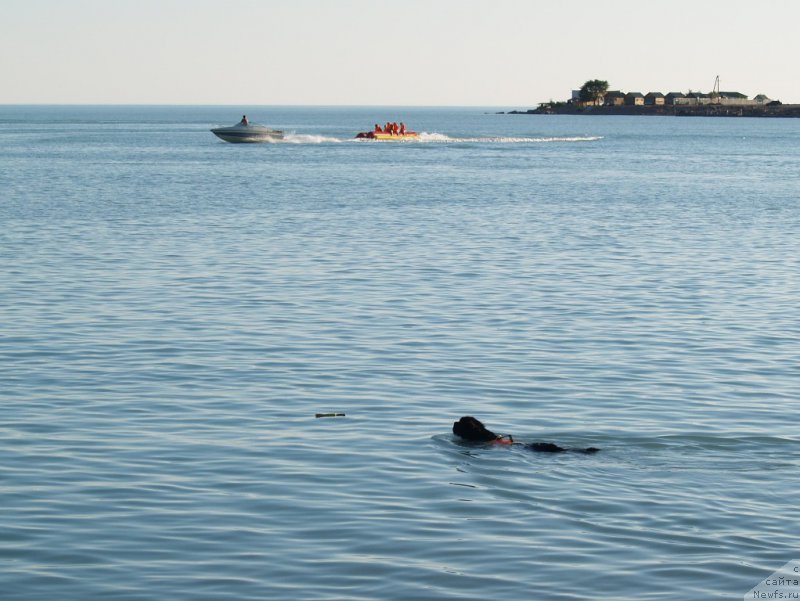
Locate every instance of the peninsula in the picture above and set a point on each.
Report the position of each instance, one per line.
(594, 98)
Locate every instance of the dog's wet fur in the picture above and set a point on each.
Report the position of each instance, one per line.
(473, 430)
(470, 428)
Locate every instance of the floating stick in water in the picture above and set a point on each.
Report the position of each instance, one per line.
(330, 415)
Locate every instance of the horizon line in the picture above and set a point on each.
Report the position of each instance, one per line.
(178, 104)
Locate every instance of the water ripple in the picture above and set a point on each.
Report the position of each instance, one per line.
(176, 311)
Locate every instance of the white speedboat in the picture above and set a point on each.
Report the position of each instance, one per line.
(247, 132)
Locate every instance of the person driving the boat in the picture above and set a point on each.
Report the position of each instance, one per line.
(244, 120)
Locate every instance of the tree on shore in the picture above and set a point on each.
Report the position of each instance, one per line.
(593, 91)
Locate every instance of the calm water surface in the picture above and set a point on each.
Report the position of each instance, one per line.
(174, 310)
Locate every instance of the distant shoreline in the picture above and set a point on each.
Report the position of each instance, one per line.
(707, 110)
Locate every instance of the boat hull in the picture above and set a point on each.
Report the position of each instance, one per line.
(238, 134)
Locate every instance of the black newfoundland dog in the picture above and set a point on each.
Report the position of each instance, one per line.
(471, 429)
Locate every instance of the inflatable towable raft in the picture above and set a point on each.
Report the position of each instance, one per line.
(379, 135)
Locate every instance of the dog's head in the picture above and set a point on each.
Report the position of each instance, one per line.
(472, 429)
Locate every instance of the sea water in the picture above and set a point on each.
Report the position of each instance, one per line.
(174, 311)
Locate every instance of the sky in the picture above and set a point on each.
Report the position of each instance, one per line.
(491, 53)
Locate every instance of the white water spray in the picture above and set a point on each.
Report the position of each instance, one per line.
(434, 138)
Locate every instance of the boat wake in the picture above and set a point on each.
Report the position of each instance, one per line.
(309, 139)
(434, 137)
(426, 137)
